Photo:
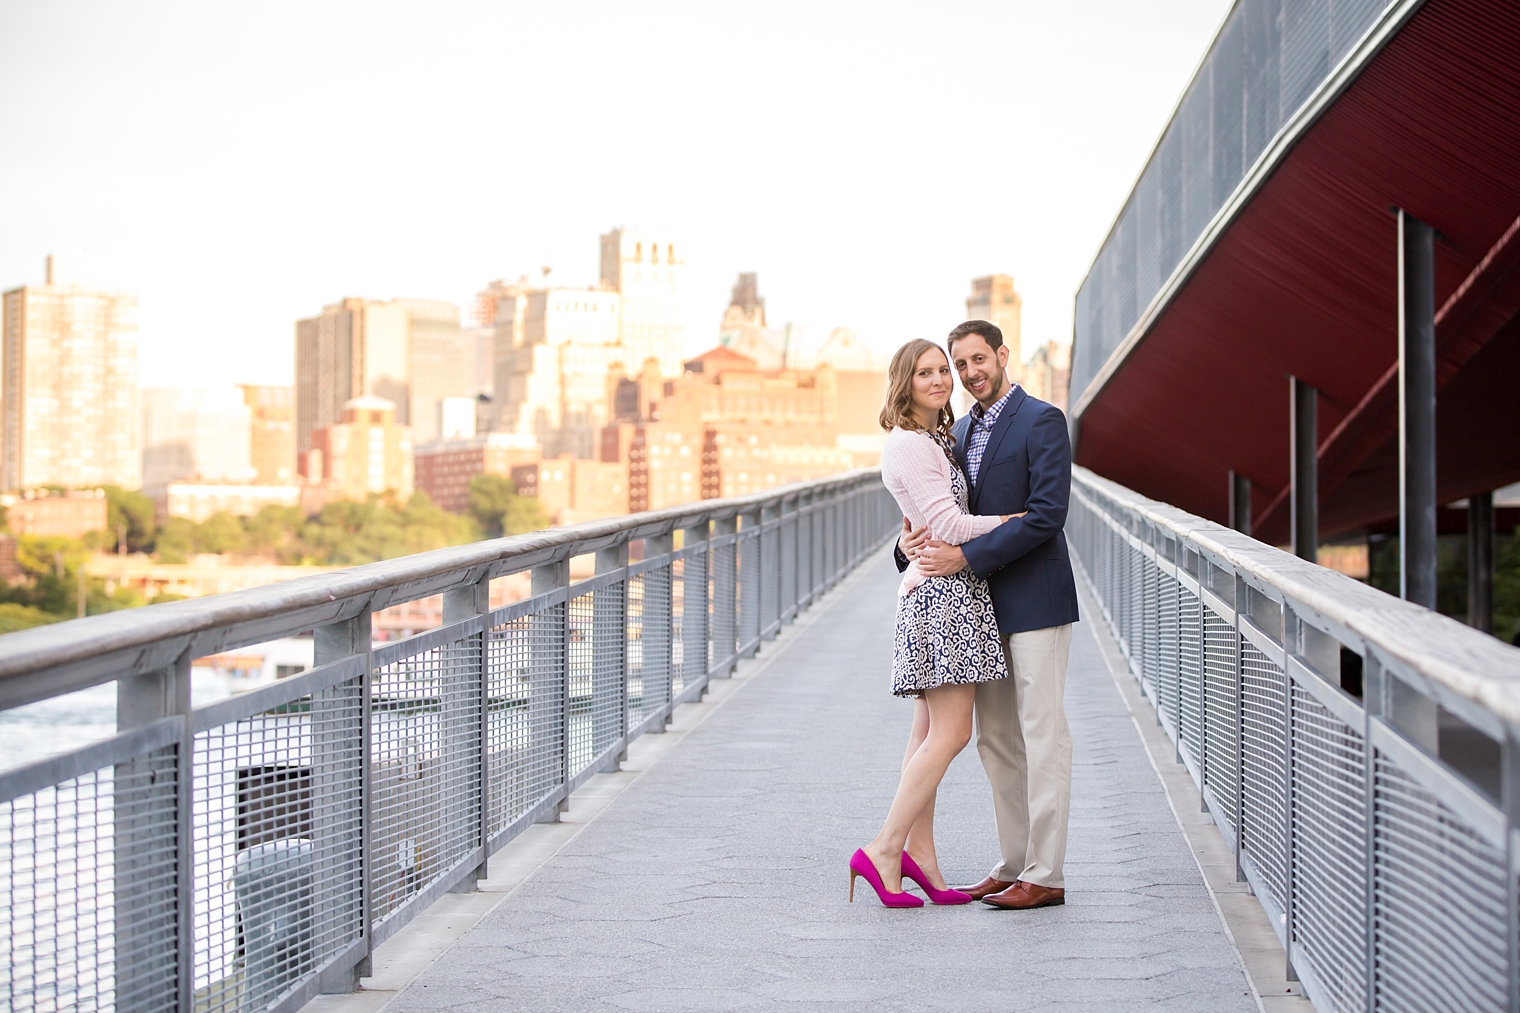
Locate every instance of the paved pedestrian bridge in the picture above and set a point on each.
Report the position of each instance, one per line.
(638, 789)
(715, 879)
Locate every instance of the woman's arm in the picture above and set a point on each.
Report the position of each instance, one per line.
(923, 473)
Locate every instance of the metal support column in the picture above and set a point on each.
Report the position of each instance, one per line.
(1480, 561)
(1417, 412)
(1304, 469)
(1240, 502)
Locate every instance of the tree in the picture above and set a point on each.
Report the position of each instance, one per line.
(489, 498)
(524, 514)
(132, 513)
(219, 533)
(175, 541)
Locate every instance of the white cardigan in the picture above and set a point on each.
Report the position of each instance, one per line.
(917, 474)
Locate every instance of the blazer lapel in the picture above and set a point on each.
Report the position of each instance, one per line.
(999, 428)
(959, 430)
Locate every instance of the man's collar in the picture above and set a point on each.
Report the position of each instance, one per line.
(977, 411)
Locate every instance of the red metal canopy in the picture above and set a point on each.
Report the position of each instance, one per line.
(1304, 282)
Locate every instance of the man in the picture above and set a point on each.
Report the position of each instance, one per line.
(1017, 458)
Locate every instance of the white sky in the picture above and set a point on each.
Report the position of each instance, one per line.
(241, 165)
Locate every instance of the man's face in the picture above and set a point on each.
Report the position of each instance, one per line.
(981, 369)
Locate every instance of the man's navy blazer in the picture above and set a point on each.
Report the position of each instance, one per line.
(1026, 466)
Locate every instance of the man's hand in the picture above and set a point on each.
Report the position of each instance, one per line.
(912, 539)
(937, 559)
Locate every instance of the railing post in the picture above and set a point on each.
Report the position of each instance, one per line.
(471, 737)
(549, 710)
(725, 603)
(751, 582)
(655, 625)
(609, 656)
(1510, 790)
(694, 655)
(790, 582)
(1290, 637)
(148, 877)
(332, 643)
(770, 560)
(1373, 708)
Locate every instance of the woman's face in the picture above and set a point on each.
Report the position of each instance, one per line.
(931, 382)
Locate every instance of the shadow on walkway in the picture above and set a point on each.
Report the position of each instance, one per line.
(717, 880)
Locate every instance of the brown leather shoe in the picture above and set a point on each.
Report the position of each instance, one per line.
(1023, 895)
(985, 888)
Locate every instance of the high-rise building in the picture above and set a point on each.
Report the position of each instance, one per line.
(995, 300)
(201, 434)
(728, 427)
(367, 452)
(646, 271)
(272, 439)
(553, 353)
(555, 349)
(1047, 374)
(68, 385)
(443, 363)
(355, 348)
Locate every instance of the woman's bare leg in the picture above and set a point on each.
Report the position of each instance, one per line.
(920, 843)
(950, 710)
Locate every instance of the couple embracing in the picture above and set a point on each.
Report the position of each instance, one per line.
(984, 617)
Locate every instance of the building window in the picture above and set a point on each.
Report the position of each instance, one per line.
(638, 253)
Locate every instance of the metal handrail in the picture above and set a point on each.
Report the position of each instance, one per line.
(1360, 754)
(251, 853)
(46, 661)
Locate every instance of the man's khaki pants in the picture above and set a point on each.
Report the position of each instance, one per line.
(1025, 746)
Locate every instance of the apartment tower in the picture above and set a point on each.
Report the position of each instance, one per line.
(68, 385)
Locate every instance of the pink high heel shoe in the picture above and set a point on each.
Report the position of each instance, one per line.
(861, 865)
(911, 871)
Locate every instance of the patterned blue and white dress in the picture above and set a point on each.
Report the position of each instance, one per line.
(947, 630)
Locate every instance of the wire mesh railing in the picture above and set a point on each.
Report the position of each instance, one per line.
(1359, 753)
(249, 854)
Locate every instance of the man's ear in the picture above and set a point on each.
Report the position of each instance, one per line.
(1002, 356)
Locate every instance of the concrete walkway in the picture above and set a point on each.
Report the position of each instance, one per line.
(717, 879)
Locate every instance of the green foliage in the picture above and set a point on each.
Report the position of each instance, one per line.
(15, 617)
(1507, 587)
(53, 563)
(489, 498)
(1451, 578)
(176, 540)
(346, 532)
(496, 507)
(524, 515)
(132, 512)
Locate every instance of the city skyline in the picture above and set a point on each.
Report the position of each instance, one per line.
(200, 192)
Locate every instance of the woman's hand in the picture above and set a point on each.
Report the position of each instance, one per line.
(1009, 517)
(912, 539)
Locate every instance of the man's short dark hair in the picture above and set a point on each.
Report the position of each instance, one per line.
(988, 331)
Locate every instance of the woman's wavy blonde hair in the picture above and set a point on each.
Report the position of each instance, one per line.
(898, 411)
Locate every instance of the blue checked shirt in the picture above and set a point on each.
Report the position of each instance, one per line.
(982, 421)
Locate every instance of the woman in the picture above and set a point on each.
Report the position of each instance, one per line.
(946, 640)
